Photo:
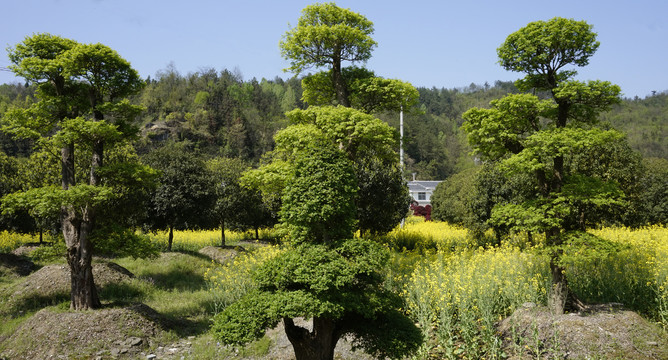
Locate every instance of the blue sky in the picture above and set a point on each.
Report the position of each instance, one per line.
(428, 43)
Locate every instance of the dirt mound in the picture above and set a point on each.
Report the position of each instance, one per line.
(15, 265)
(26, 249)
(119, 332)
(605, 331)
(221, 255)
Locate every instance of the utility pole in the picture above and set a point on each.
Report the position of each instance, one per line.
(401, 151)
(401, 139)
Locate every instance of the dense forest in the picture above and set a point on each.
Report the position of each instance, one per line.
(221, 114)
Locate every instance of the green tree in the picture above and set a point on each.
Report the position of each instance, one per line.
(184, 194)
(529, 135)
(236, 206)
(653, 199)
(81, 104)
(366, 141)
(323, 274)
(10, 178)
(451, 198)
(326, 35)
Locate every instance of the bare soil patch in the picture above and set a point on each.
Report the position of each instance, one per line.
(603, 332)
(26, 249)
(221, 254)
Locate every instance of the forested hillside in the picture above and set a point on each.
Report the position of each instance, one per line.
(221, 114)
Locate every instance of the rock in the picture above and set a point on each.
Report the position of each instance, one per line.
(150, 357)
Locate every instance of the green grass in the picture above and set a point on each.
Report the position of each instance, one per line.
(174, 286)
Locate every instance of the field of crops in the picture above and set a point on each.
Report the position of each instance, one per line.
(456, 288)
(461, 291)
(184, 240)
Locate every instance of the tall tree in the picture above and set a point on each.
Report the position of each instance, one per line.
(323, 274)
(325, 36)
(81, 91)
(236, 206)
(184, 195)
(536, 136)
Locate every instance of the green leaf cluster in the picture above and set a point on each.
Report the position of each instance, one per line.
(542, 50)
(354, 132)
(318, 203)
(48, 200)
(326, 34)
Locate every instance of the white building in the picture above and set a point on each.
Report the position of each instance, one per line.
(421, 191)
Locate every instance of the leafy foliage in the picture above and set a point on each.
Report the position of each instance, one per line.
(543, 48)
(318, 201)
(326, 33)
(337, 281)
(652, 205)
(367, 92)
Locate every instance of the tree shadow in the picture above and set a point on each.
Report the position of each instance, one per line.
(176, 279)
(19, 305)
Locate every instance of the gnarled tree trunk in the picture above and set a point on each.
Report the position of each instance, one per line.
(83, 294)
(76, 232)
(317, 344)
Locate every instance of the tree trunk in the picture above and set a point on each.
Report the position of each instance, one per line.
(76, 232)
(171, 238)
(318, 344)
(257, 233)
(559, 292)
(222, 233)
(67, 166)
(560, 297)
(96, 162)
(339, 84)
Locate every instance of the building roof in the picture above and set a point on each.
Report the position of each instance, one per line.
(420, 185)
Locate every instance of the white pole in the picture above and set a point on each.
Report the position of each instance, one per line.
(401, 151)
(401, 139)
